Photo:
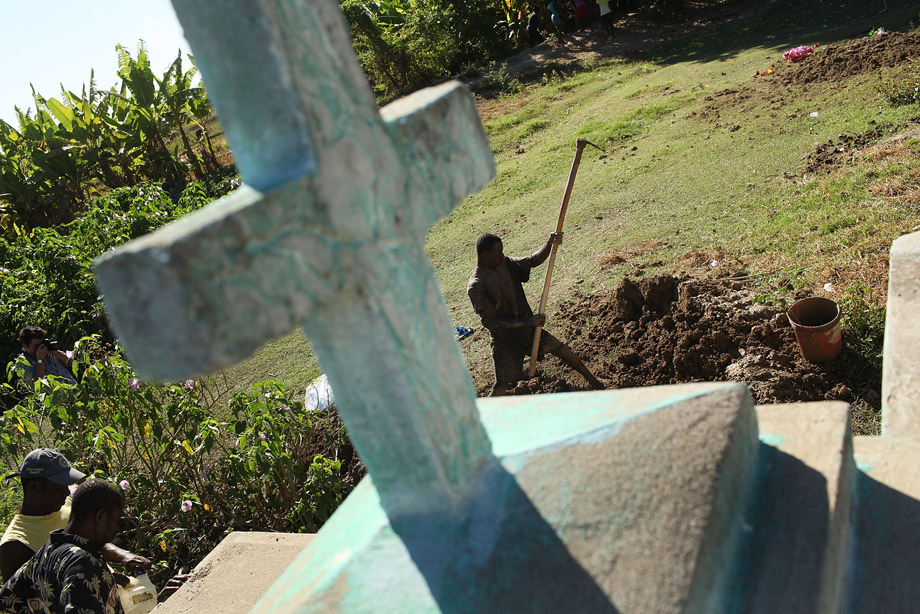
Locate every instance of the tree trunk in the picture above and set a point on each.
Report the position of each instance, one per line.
(212, 155)
(190, 153)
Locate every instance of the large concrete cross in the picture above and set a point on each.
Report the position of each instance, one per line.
(329, 234)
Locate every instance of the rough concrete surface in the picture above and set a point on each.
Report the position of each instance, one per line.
(900, 373)
(798, 526)
(886, 556)
(235, 574)
(647, 520)
(653, 513)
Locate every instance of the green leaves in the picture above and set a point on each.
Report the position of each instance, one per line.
(111, 138)
(61, 113)
(191, 470)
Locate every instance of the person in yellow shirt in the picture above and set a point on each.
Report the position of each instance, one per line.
(46, 476)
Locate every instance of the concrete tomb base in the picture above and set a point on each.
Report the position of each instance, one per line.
(646, 520)
(236, 573)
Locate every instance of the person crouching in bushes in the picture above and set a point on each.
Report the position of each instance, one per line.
(40, 357)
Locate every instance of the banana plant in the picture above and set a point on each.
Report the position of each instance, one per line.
(201, 111)
(57, 155)
(177, 92)
(199, 107)
(17, 188)
(147, 111)
(101, 153)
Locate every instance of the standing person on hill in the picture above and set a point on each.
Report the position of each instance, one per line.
(42, 359)
(46, 506)
(606, 17)
(68, 574)
(580, 9)
(497, 293)
(555, 17)
(534, 37)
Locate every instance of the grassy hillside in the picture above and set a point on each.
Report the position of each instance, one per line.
(703, 160)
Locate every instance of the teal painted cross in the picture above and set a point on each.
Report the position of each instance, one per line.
(328, 233)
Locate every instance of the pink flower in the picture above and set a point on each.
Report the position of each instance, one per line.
(124, 484)
(186, 505)
(72, 488)
(262, 436)
(189, 384)
(134, 383)
(798, 53)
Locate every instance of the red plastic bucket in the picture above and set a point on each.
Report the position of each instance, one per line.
(816, 322)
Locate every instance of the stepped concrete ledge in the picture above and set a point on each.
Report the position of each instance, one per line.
(236, 573)
(886, 556)
(900, 375)
(649, 522)
(797, 528)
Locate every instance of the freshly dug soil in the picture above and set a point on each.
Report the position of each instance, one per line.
(828, 156)
(668, 330)
(859, 56)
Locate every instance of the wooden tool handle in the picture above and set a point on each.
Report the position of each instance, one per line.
(579, 148)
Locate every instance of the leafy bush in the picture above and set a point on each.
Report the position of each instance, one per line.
(46, 274)
(404, 46)
(863, 324)
(189, 475)
(499, 83)
(903, 87)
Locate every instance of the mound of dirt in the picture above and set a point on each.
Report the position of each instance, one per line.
(668, 330)
(828, 156)
(859, 56)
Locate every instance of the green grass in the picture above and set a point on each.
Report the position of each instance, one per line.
(677, 176)
(10, 500)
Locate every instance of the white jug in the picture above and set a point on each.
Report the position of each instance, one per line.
(139, 597)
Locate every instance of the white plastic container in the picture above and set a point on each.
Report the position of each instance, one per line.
(139, 597)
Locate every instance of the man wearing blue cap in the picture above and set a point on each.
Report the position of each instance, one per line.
(46, 476)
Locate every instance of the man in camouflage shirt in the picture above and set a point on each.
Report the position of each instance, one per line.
(68, 575)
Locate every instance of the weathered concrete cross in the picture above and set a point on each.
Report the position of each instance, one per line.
(328, 235)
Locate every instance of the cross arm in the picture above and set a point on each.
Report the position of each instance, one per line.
(448, 155)
(207, 290)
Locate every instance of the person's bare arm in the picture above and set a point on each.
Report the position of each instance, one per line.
(132, 562)
(539, 257)
(13, 555)
(41, 354)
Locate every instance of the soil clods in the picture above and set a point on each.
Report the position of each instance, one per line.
(668, 330)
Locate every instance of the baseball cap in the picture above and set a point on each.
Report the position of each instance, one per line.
(50, 465)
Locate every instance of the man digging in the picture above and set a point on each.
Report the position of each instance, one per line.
(497, 293)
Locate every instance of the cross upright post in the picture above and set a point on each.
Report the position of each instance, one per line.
(328, 233)
(601, 502)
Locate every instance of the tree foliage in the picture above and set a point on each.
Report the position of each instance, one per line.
(407, 44)
(193, 464)
(76, 146)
